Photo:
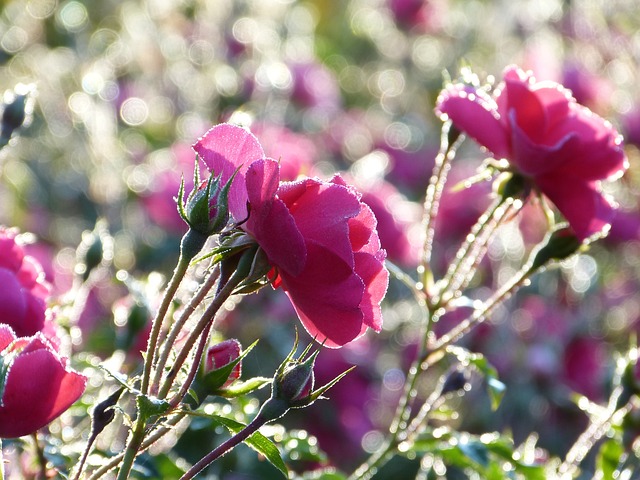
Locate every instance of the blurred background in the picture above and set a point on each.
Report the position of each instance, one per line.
(120, 91)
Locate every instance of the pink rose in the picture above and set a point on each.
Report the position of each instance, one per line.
(562, 148)
(37, 383)
(24, 290)
(319, 237)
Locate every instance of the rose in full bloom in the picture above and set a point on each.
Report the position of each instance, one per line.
(36, 383)
(560, 146)
(320, 239)
(24, 290)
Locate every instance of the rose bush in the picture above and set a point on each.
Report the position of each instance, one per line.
(319, 237)
(560, 146)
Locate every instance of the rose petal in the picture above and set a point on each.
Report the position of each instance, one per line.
(224, 149)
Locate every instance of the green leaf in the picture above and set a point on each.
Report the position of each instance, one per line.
(238, 389)
(475, 451)
(608, 459)
(150, 406)
(257, 441)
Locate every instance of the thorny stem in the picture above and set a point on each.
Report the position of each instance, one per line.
(432, 199)
(226, 446)
(176, 399)
(425, 359)
(176, 328)
(151, 439)
(172, 288)
(593, 433)
(205, 321)
(472, 251)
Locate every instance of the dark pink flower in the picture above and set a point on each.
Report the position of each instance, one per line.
(560, 146)
(38, 385)
(222, 354)
(319, 237)
(24, 290)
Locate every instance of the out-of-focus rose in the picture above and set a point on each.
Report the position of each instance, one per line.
(320, 239)
(24, 290)
(300, 150)
(560, 147)
(36, 383)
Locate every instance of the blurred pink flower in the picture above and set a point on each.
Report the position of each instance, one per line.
(319, 237)
(24, 290)
(222, 354)
(395, 216)
(584, 361)
(38, 384)
(315, 86)
(301, 151)
(158, 198)
(561, 147)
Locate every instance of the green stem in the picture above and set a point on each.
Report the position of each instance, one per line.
(1, 462)
(594, 432)
(205, 321)
(472, 251)
(133, 447)
(172, 288)
(177, 326)
(449, 141)
(226, 446)
(42, 461)
(151, 439)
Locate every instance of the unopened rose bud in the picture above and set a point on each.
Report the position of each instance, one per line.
(95, 249)
(295, 384)
(222, 354)
(18, 105)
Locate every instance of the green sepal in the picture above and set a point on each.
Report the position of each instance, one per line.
(213, 380)
(238, 389)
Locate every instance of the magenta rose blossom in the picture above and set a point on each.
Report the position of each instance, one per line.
(36, 383)
(319, 237)
(563, 148)
(24, 289)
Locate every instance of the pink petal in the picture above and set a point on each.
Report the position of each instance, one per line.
(326, 297)
(7, 336)
(370, 268)
(270, 221)
(475, 113)
(13, 302)
(223, 149)
(322, 212)
(582, 204)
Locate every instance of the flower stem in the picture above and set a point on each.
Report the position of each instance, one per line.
(472, 251)
(226, 446)
(449, 141)
(172, 288)
(205, 321)
(593, 433)
(176, 328)
(133, 447)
